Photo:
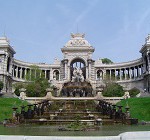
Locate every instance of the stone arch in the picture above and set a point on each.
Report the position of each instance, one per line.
(99, 74)
(56, 75)
(78, 63)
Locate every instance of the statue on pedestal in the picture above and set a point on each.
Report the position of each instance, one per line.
(77, 75)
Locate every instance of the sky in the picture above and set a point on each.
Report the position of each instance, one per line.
(38, 29)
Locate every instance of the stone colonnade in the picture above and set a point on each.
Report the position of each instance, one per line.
(21, 72)
(129, 73)
(120, 73)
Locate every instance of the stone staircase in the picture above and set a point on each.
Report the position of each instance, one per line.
(71, 111)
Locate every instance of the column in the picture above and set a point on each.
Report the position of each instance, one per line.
(51, 74)
(21, 72)
(69, 78)
(130, 73)
(17, 71)
(30, 73)
(110, 74)
(134, 72)
(13, 70)
(115, 74)
(35, 73)
(89, 68)
(10, 67)
(141, 70)
(25, 75)
(133, 75)
(125, 74)
(120, 74)
(87, 75)
(104, 74)
(148, 59)
(65, 72)
(5, 63)
(45, 74)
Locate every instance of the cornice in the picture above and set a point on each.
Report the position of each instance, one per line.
(123, 64)
(41, 65)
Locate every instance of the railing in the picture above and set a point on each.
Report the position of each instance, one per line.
(140, 135)
(50, 97)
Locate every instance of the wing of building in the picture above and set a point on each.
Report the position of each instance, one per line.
(77, 59)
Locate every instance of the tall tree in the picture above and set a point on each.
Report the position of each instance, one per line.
(106, 61)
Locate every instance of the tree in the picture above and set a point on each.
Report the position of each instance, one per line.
(106, 61)
(35, 85)
(113, 90)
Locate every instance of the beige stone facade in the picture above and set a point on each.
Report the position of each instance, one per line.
(77, 54)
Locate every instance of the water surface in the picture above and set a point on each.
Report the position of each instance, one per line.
(47, 130)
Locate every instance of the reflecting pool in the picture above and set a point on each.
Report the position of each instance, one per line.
(47, 130)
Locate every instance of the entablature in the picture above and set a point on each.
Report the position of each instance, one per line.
(40, 65)
(121, 65)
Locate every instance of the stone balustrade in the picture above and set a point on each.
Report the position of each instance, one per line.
(139, 135)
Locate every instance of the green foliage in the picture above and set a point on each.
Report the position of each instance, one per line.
(76, 125)
(17, 87)
(36, 83)
(55, 106)
(6, 105)
(37, 88)
(35, 72)
(139, 107)
(106, 61)
(133, 92)
(1, 85)
(113, 90)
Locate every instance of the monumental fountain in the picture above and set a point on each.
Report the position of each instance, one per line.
(76, 109)
(78, 86)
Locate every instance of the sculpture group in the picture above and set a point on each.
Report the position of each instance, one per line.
(77, 75)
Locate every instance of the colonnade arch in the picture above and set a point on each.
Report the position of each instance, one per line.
(99, 74)
(56, 75)
(78, 63)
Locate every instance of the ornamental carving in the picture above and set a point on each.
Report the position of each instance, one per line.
(77, 40)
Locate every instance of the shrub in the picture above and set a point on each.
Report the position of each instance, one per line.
(17, 87)
(113, 90)
(1, 85)
(133, 92)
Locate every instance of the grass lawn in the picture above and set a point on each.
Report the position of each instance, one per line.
(139, 107)
(6, 105)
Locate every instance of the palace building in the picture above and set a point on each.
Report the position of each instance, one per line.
(77, 65)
